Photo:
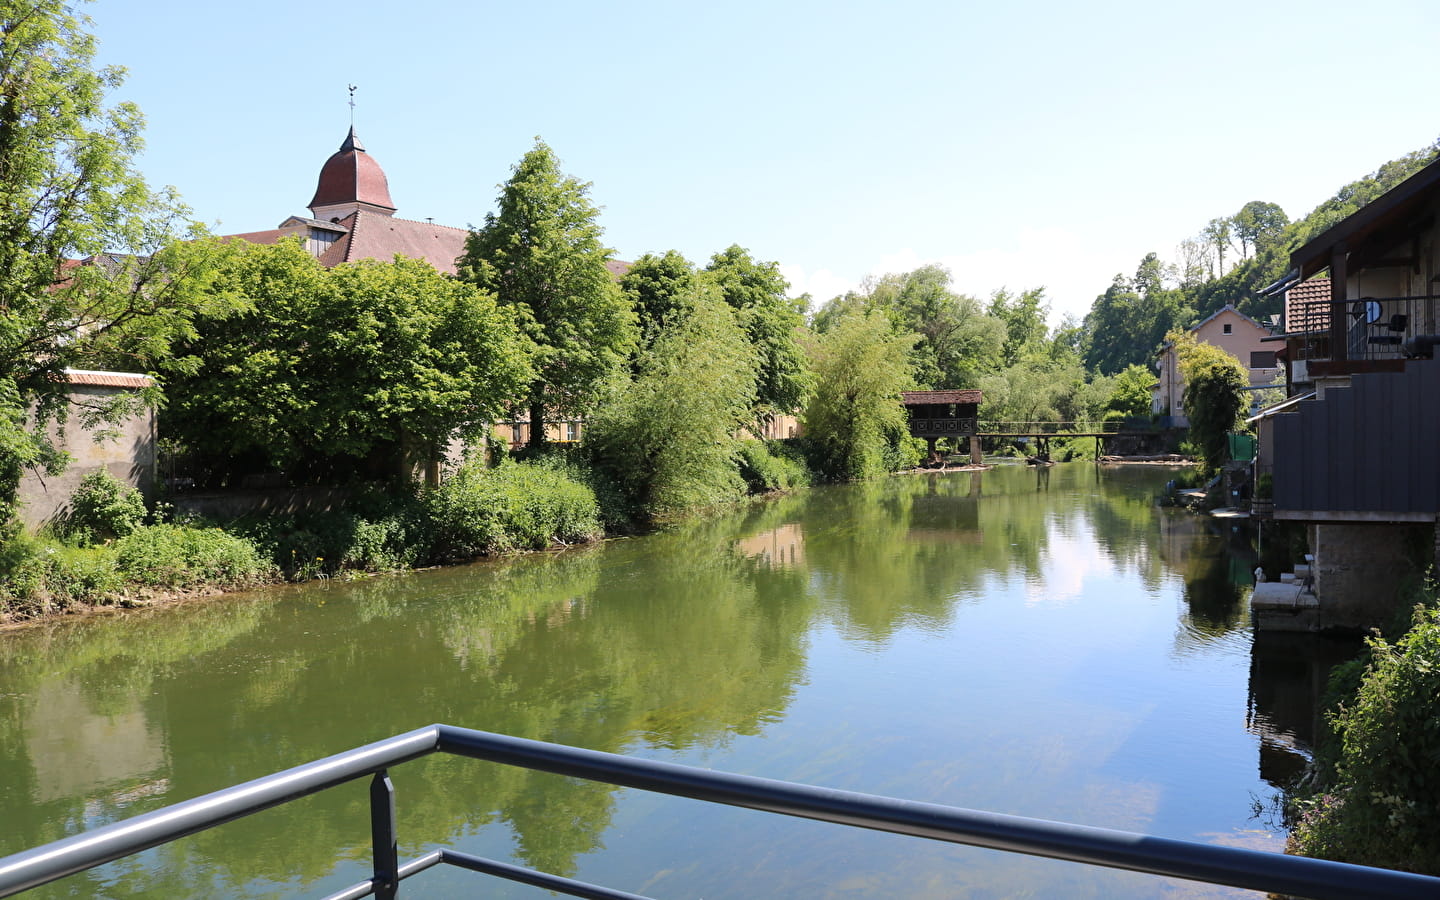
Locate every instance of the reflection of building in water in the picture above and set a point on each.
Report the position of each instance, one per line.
(947, 517)
(75, 750)
(783, 546)
(1288, 673)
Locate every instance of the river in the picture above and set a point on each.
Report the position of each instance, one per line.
(1045, 643)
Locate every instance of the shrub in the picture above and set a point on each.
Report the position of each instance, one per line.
(183, 556)
(1380, 808)
(103, 507)
(515, 506)
(771, 466)
(41, 579)
(854, 419)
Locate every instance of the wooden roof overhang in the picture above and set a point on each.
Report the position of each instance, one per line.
(1402, 210)
(928, 398)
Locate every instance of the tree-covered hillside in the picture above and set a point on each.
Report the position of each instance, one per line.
(1230, 261)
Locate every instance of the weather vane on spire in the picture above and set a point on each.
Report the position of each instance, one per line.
(352, 106)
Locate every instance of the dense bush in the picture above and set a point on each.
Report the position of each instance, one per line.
(1381, 803)
(178, 556)
(772, 466)
(515, 506)
(40, 579)
(103, 507)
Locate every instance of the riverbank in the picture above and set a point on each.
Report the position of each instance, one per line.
(108, 558)
(105, 560)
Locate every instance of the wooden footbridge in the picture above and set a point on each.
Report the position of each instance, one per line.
(954, 415)
(1042, 432)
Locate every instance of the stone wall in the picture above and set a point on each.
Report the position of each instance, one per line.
(128, 454)
(1362, 570)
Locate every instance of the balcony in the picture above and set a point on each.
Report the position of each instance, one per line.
(1373, 334)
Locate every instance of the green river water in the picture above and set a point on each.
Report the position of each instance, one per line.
(1043, 643)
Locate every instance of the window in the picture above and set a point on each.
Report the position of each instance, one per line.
(572, 429)
(1262, 359)
(515, 433)
(1229, 329)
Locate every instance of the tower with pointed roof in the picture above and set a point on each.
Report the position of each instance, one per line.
(351, 180)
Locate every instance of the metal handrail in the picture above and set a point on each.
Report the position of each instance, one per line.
(1256, 870)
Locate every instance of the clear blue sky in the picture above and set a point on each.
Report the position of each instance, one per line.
(1020, 144)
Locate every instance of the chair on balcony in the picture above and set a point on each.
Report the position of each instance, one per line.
(1396, 326)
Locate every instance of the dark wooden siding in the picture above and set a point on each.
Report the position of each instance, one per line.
(1373, 447)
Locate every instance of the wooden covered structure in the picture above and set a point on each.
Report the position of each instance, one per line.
(941, 414)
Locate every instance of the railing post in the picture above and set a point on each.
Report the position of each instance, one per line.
(382, 836)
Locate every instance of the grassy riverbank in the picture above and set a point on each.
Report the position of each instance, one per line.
(111, 552)
(119, 554)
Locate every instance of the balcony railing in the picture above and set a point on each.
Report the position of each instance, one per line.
(1369, 329)
(1212, 863)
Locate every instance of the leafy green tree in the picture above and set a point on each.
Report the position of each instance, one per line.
(87, 271)
(670, 437)
(861, 366)
(542, 254)
(756, 291)
(1037, 388)
(657, 287)
(1024, 318)
(367, 357)
(1218, 234)
(1257, 225)
(1214, 395)
(1127, 323)
(1130, 394)
(957, 339)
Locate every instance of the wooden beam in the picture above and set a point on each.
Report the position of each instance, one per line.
(1339, 317)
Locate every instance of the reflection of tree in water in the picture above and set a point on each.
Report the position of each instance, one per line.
(589, 648)
(672, 642)
(1216, 602)
(1289, 673)
(905, 551)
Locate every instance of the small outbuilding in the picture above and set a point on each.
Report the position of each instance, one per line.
(944, 414)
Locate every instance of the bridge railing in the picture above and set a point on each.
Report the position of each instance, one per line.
(1046, 428)
(1251, 869)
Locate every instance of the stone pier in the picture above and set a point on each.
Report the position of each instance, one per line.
(1360, 570)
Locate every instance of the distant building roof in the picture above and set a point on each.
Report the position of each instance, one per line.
(376, 236)
(919, 398)
(1231, 308)
(355, 196)
(107, 379)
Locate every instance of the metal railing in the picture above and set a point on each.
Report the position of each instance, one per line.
(1256, 870)
(1059, 429)
(1372, 328)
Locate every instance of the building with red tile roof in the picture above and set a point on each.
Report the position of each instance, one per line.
(352, 218)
